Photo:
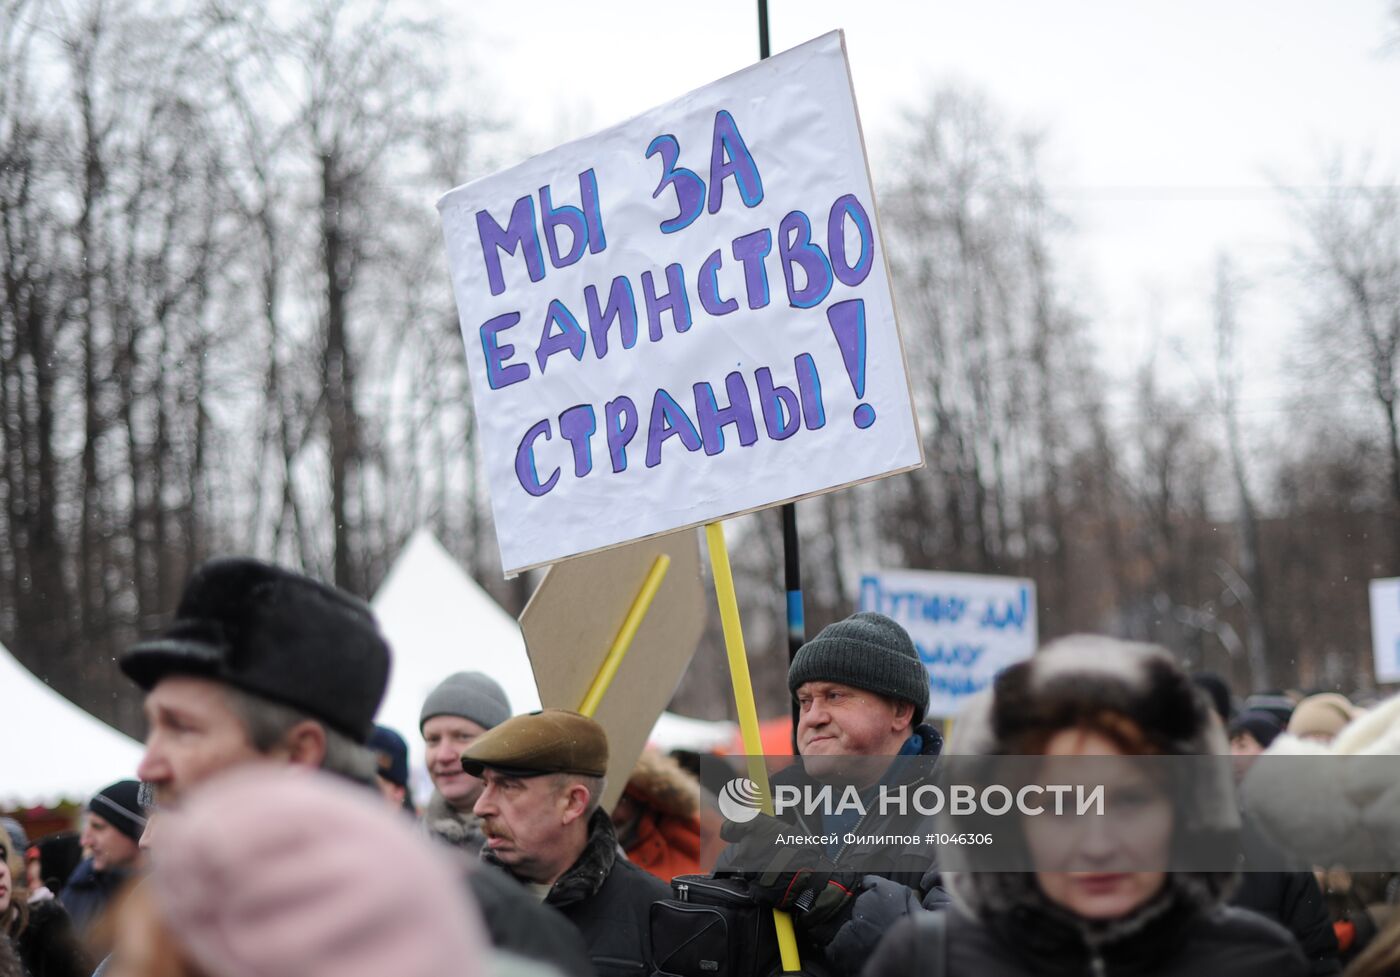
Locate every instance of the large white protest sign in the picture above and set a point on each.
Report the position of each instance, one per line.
(684, 317)
(966, 627)
(1385, 628)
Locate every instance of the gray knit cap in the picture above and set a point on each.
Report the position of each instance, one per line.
(471, 695)
(865, 651)
(19, 839)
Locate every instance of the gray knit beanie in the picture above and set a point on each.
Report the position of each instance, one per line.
(19, 839)
(471, 695)
(865, 651)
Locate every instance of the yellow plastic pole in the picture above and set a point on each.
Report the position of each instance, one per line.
(748, 712)
(625, 635)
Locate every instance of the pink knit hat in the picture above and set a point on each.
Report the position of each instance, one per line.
(283, 872)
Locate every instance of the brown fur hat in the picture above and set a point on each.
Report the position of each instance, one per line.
(660, 783)
(1084, 681)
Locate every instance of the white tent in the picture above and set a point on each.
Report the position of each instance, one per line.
(53, 750)
(676, 732)
(438, 621)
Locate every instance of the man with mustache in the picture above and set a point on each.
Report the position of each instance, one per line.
(544, 777)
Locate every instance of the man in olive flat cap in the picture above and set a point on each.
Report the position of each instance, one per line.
(543, 775)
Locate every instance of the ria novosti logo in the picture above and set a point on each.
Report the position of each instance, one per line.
(739, 800)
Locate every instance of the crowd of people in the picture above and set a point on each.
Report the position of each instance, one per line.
(270, 829)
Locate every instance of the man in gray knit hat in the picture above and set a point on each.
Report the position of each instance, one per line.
(460, 709)
(862, 692)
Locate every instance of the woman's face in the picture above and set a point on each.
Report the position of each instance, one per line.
(7, 885)
(1083, 861)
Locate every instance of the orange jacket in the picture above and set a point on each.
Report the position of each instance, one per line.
(666, 846)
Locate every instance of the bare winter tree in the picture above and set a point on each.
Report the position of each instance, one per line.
(223, 287)
(113, 216)
(1247, 586)
(33, 317)
(1004, 380)
(345, 147)
(1351, 257)
(1167, 473)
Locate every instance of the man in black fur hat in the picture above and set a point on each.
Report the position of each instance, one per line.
(259, 661)
(264, 664)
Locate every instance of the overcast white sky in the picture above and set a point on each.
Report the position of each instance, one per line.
(1170, 121)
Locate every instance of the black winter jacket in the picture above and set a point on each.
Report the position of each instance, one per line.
(47, 945)
(89, 892)
(1294, 900)
(908, 882)
(520, 925)
(609, 899)
(1171, 937)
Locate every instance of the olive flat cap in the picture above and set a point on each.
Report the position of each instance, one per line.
(548, 741)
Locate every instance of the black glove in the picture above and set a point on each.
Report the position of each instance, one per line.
(791, 878)
(786, 888)
(754, 845)
(824, 898)
(851, 936)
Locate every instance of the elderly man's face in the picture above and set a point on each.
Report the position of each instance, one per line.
(524, 820)
(839, 720)
(193, 734)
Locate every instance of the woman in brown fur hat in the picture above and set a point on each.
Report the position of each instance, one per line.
(1106, 901)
